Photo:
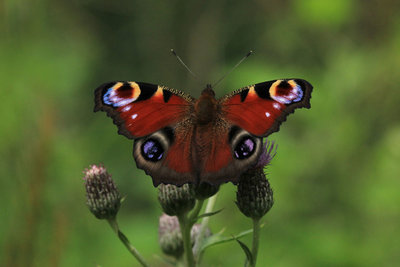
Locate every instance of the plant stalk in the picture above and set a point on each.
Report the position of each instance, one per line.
(256, 240)
(193, 215)
(114, 225)
(186, 226)
(199, 241)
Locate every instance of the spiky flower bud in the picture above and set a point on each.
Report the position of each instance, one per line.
(205, 190)
(176, 200)
(169, 236)
(254, 197)
(103, 198)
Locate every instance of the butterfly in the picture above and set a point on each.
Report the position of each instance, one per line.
(179, 139)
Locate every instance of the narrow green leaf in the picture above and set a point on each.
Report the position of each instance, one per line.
(247, 251)
(207, 214)
(219, 239)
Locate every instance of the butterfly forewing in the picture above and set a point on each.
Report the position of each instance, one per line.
(261, 108)
(139, 109)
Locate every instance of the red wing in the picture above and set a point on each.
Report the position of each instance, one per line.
(166, 155)
(139, 109)
(219, 158)
(219, 165)
(261, 108)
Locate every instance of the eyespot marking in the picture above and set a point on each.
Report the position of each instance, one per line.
(121, 94)
(245, 148)
(298, 90)
(152, 150)
(286, 92)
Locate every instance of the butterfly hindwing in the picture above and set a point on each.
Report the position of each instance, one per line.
(229, 153)
(166, 155)
(261, 108)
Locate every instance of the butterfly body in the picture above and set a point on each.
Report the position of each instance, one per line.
(206, 106)
(179, 139)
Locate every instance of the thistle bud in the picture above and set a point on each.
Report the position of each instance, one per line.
(176, 200)
(169, 236)
(254, 197)
(205, 190)
(103, 198)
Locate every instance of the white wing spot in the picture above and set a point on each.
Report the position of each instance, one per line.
(276, 105)
(134, 116)
(267, 114)
(127, 108)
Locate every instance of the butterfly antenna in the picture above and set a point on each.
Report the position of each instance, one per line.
(183, 63)
(226, 74)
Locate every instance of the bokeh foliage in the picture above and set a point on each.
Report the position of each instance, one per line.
(336, 175)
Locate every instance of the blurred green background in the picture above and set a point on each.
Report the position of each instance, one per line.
(336, 174)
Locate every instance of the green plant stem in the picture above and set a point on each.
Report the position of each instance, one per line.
(114, 225)
(193, 215)
(199, 241)
(256, 240)
(186, 226)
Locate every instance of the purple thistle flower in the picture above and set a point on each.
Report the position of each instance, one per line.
(267, 154)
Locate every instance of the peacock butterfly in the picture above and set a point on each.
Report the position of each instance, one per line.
(179, 139)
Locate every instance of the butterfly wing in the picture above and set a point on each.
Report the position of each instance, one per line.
(246, 116)
(230, 152)
(139, 109)
(261, 108)
(159, 120)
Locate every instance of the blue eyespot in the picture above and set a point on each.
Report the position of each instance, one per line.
(245, 148)
(299, 92)
(107, 97)
(112, 98)
(152, 150)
